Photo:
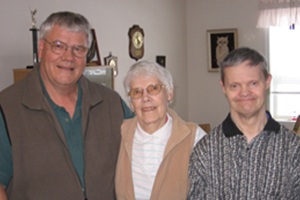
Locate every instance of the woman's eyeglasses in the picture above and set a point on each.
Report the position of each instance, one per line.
(153, 89)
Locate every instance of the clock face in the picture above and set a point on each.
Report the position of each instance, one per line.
(137, 39)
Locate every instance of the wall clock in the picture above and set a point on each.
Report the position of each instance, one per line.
(136, 42)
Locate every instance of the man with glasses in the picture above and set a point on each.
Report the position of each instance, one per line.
(59, 132)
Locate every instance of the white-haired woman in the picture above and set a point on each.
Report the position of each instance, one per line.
(156, 143)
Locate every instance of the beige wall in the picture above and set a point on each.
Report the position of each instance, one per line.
(206, 100)
(174, 28)
(164, 24)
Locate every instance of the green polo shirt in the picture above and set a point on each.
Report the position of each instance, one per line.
(72, 128)
(6, 169)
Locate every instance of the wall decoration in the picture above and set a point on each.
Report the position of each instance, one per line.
(220, 43)
(161, 60)
(111, 60)
(93, 56)
(136, 42)
(296, 128)
(34, 31)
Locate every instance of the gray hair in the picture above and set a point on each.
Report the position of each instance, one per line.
(148, 68)
(241, 55)
(72, 21)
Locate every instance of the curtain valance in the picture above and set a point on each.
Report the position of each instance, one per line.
(280, 13)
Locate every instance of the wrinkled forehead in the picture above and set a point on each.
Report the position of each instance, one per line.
(59, 28)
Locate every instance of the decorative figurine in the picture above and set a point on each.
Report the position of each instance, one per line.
(34, 31)
(33, 20)
(112, 61)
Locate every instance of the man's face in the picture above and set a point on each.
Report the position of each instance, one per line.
(61, 70)
(245, 88)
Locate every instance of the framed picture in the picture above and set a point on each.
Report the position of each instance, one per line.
(161, 60)
(296, 128)
(220, 43)
(93, 55)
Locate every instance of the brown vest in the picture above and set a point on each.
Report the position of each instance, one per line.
(42, 166)
(171, 181)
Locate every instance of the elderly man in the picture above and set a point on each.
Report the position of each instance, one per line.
(59, 132)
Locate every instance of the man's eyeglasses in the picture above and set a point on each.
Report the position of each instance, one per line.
(60, 48)
(153, 89)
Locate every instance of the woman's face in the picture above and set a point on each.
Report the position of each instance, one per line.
(150, 109)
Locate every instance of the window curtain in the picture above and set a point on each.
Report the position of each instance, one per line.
(279, 13)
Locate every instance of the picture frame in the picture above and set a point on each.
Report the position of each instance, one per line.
(93, 55)
(161, 60)
(219, 43)
(296, 128)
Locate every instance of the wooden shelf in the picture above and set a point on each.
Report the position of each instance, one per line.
(19, 74)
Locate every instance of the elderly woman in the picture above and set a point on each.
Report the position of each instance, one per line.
(156, 143)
